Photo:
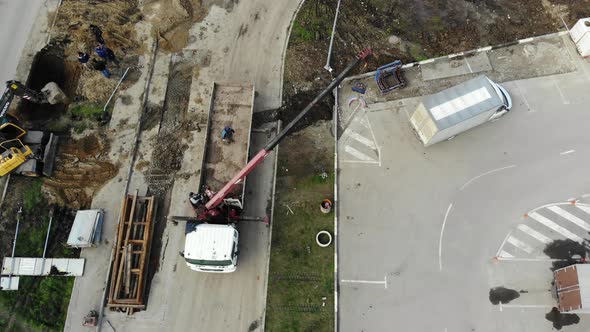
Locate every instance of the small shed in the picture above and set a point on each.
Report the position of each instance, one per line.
(87, 229)
(580, 34)
(572, 284)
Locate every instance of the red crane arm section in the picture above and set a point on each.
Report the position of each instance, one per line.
(218, 198)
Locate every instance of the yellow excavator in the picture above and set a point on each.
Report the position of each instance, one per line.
(28, 153)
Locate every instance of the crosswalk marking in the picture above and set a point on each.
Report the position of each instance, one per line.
(534, 233)
(519, 244)
(363, 140)
(505, 254)
(555, 227)
(570, 217)
(583, 208)
(357, 154)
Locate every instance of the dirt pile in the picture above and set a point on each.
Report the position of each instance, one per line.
(95, 87)
(80, 171)
(172, 20)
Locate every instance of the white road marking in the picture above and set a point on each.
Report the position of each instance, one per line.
(563, 213)
(505, 254)
(539, 306)
(442, 230)
(360, 161)
(357, 154)
(468, 65)
(555, 227)
(538, 259)
(585, 195)
(374, 139)
(484, 174)
(520, 245)
(534, 233)
(563, 99)
(523, 97)
(584, 207)
(384, 282)
(503, 243)
(362, 139)
(567, 152)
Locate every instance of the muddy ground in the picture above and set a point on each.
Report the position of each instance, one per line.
(412, 31)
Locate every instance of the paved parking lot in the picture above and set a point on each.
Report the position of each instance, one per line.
(426, 233)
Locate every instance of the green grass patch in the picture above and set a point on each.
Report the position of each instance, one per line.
(301, 276)
(86, 111)
(314, 22)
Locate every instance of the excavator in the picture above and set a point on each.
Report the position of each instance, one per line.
(28, 153)
(214, 205)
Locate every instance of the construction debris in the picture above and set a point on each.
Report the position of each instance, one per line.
(131, 254)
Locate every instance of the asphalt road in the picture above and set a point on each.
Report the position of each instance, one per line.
(16, 21)
(417, 251)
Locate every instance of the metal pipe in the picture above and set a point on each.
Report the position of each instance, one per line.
(327, 66)
(20, 210)
(104, 109)
(273, 142)
(47, 239)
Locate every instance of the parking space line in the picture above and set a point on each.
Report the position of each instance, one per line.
(362, 139)
(505, 254)
(384, 282)
(563, 99)
(520, 245)
(563, 213)
(357, 154)
(442, 231)
(529, 231)
(545, 221)
(584, 207)
(503, 243)
(360, 161)
(567, 152)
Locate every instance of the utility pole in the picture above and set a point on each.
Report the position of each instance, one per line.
(20, 210)
(327, 66)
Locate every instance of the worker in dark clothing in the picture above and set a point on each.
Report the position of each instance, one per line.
(227, 134)
(111, 57)
(102, 67)
(101, 51)
(197, 199)
(97, 33)
(83, 58)
(106, 53)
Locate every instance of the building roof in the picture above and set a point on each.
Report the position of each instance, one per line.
(461, 102)
(210, 242)
(573, 288)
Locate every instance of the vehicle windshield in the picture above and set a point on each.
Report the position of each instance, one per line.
(209, 262)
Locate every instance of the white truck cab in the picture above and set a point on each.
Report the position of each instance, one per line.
(211, 247)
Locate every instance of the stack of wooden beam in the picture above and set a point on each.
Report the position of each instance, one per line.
(131, 254)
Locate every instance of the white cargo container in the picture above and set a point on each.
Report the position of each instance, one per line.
(87, 229)
(443, 115)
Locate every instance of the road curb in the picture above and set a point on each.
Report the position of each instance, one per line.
(272, 214)
(335, 206)
(466, 53)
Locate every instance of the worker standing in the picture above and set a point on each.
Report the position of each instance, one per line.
(97, 32)
(102, 67)
(227, 134)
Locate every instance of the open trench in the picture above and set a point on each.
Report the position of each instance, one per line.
(168, 151)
